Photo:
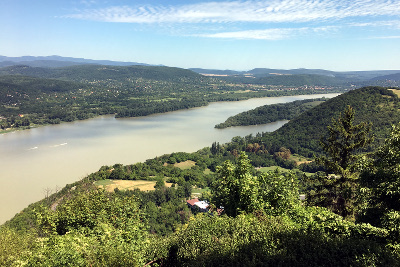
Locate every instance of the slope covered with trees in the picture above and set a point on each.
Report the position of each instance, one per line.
(377, 105)
(270, 113)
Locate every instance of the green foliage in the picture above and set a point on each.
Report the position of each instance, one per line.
(279, 193)
(344, 140)
(381, 178)
(248, 240)
(92, 228)
(302, 134)
(338, 192)
(237, 190)
(14, 244)
(270, 113)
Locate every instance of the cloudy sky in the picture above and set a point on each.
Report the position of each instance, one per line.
(240, 35)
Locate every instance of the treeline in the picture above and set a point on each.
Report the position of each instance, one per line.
(270, 113)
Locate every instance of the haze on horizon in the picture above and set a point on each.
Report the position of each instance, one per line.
(238, 35)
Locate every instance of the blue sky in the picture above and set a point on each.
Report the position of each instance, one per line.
(240, 35)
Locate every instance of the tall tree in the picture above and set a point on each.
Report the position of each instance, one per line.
(236, 189)
(382, 177)
(343, 145)
(239, 191)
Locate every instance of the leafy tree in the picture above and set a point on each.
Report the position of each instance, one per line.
(278, 193)
(382, 178)
(344, 141)
(159, 183)
(235, 188)
(239, 191)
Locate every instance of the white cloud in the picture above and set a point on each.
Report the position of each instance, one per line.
(387, 23)
(244, 11)
(270, 34)
(386, 37)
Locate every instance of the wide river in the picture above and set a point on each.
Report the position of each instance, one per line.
(36, 160)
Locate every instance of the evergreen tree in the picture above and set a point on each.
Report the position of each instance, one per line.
(343, 145)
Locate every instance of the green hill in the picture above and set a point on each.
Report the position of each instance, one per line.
(377, 105)
(270, 113)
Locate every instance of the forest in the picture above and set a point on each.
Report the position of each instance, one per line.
(34, 96)
(350, 215)
(270, 113)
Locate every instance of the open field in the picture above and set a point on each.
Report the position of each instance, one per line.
(184, 165)
(397, 92)
(142, 185)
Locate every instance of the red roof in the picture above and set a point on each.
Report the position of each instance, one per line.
(192, 201)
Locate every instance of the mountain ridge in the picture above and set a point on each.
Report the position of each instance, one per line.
(55, 61)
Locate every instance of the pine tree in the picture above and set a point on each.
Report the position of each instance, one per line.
(343, 147)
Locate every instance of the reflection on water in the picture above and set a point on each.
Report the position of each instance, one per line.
(34, 160)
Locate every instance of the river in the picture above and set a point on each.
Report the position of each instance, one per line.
(36, 160)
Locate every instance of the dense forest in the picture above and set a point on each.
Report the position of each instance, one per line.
(350, 215)
(375, 105)
(270, 113)
(31, 96)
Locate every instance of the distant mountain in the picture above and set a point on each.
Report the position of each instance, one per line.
(394, 77)
(101, 72)
(216, 72)
(58, 61)
(266, 72)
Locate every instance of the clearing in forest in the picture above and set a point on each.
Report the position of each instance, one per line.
(184, 165)
(142, 185)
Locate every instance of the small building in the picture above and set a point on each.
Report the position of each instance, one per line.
(196, 204)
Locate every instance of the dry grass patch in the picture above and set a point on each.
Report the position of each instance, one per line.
(184, 165)
(396, 91)
(142, 185)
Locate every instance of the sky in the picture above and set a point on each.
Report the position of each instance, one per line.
(338, 35)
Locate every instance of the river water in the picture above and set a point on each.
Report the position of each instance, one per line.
(37, 160)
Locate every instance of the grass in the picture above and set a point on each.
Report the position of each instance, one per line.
(142, 185)
(185, 165)
(397, 92)
(273, 168)
(200, 190)
(282, 170)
